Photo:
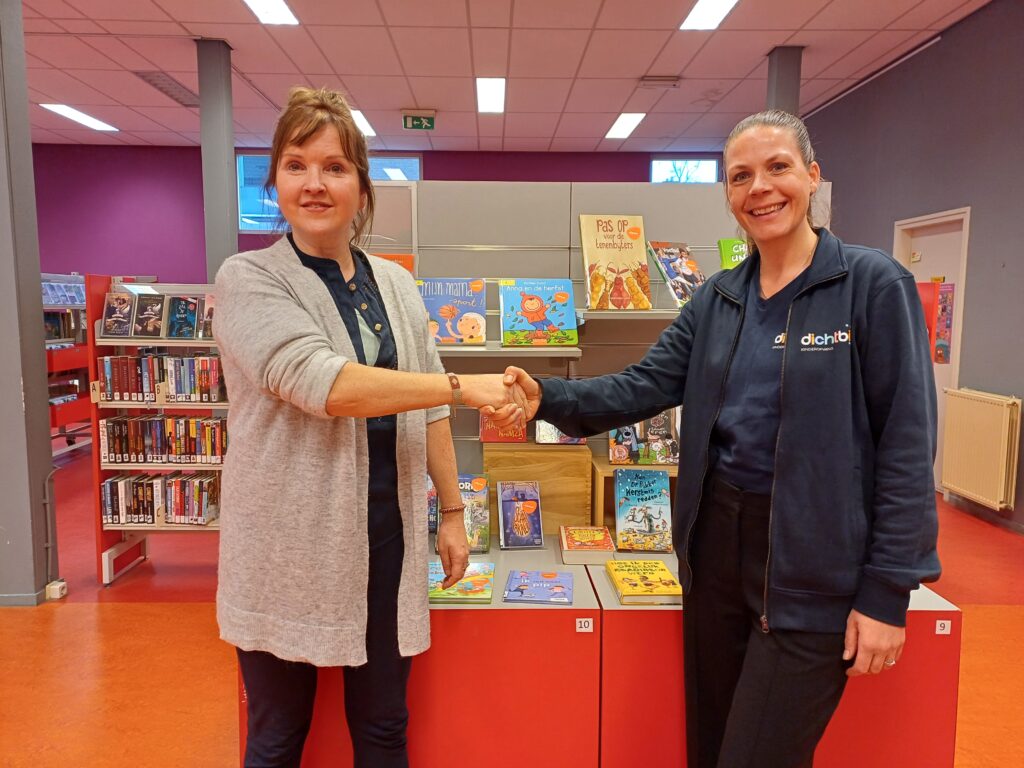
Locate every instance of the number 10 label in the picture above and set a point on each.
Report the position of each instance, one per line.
(584, 625)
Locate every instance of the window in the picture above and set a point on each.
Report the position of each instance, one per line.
(684, 171)
(393, 168)
(257, 212)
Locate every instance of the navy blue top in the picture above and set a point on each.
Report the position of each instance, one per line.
(743, 440)
(357, 297)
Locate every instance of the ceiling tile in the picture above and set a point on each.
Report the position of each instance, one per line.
(125, 87)
(55, 9)
(88, 136)
(864, 14)
(256, 120)
(296, 42)
(714, 124)
(168, 54)
(217, 12)
(454, 144)
(253, 49)
(82, 27)
(791, 14)
(490, 143)
(150, 28)
(343, 14)
(490, 13)
(530, 124)
(812, 89)
(190, 79)
(118, 52)
(490, 125)
(643, 99)
(639, 144)
(665, 124)
(925, 15)
(695, 95)
(192, 136)
(585, 125)
(694, 145)
(562, 14)
(31, 62)
(416, 13)
(748, 96)
(960, 13)
(653, 14)
(162, 138)
(900, 50)
(411, 143)
(276, 87)
(822, 48)
(573, 144)
(490, 52)
(136, 10)
(28, 13)
(625, 53)
(455, 124)
(599, 95)
(331, 81)
(678, 52)
(535, 94)
(518, 144)
(358, 50)
(40, 26)
(868, 54)
(380, 92)
(64, 89)
(244, 95)
(546, 52)
(826, 95)
(457, 94)
(66, 52)
(43, 136)
(433, 51)
(387, 122)
(609, 145)
(35, 97)
(124, 118)
(175, 118)
(734, 54)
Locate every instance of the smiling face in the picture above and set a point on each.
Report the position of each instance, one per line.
(768, 184)
(319, 191)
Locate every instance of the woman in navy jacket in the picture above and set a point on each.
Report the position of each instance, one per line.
(805, 504)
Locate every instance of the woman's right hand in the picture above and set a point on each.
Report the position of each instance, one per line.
(526, 393)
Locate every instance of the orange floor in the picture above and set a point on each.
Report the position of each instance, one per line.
(134, 675)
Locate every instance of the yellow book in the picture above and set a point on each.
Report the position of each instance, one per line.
(639, 582)
(615, 257)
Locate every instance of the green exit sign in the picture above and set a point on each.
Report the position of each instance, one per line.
(417, 123)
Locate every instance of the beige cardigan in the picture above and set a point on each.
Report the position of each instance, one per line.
(294, 558)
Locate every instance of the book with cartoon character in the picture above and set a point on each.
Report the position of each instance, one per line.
(520, 514)
(492, 433)
(651, 441)
(456, 309)
(549, 434)
(677, 266)
(537, 312)
(542, 587)
(475, 587)
(117, 315)
(583, 544)
(643, 510)
(475, 496)
(149, 315)
(639, 582)
(615, 259)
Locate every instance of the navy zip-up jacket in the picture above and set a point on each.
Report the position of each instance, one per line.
(853, 521)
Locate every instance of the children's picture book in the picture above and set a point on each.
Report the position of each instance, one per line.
(182, 316)
(732, 252)
(585, 544)
(542, 587)
(149, 315)
(643, 510)
(538, 312)
(431, 506)
(549, 434)
(206, 326)
(456, 309)
(638, 582)
(475, 496)
(520, 514)
(117, 314)
(677, 266)
(615, 258)
(651, 441)
(492, 433)
(475, 587)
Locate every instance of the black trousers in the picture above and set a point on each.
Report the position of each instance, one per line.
(752, 698)
(281, 693)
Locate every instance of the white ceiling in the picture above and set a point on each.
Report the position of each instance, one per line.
(572, 65)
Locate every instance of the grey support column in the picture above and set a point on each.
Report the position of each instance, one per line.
(217, 136)
(784, 79)
(27, 532)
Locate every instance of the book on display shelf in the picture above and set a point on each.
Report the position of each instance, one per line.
(178, 498)
(491, 433)
(643, 510)
(540, 587)
(644, 582)
(537, 312)
(678, 267)
(182, 317)
(162, 439)
(477, 515)
(139, 378)
(148, 321)
(586, 544)
(431, 506)
(732, 252)
(548, 434)
(456, 309)
(651, 441)
(476, 586)
(615, 258)
(205, 328)
(519, 513)
(117, 315)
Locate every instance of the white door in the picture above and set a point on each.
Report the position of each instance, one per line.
(933, 247)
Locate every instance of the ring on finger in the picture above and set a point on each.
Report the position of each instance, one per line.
(889, 663)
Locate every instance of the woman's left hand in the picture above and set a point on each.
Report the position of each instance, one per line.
(453, 547)
(873, 645)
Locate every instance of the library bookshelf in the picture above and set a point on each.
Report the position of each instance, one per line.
(122, 545)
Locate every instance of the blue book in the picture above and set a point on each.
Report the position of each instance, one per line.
(456, 309)
(643, 510)
(537, 312)
(519, 509)
(181, 317)
(544, 587)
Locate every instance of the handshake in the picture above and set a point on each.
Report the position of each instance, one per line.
(507, 398)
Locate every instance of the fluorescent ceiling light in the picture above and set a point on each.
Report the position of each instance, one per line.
(79, 117)
(362, 123)
(490, 94)
(272, 11)
(625, 125)
(396, 174)
(708, 14)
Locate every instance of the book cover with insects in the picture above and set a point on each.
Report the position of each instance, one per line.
(519, 511)
(615, 259)
(537, 311)
(643, 510)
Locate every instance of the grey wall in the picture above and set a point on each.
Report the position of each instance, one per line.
(943, 130)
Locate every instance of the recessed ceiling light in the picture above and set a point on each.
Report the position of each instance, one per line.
(79, 117)
(625, 125)
(396, 174)
(362, 123)
(708, 14)
(490, 94)
(272, 11)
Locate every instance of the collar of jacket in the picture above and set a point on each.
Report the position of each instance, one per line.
(828, 262)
